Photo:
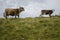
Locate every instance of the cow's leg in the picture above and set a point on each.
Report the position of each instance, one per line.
(15, 15)
(6, 16)
(49, 15)
(42, 14)
(18, 16)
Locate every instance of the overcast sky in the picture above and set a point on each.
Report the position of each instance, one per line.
(32, 7)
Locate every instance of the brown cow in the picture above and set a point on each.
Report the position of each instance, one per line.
(13, 12)
(47, 12)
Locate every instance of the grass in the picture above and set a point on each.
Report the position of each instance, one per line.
(30, 29)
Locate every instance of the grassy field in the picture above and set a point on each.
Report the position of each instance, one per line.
(30, 29)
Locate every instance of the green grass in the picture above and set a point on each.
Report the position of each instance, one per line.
(30, 29)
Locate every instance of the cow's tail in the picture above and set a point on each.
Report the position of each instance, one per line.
(4, 14)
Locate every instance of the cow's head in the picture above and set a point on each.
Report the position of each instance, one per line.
(21, 9)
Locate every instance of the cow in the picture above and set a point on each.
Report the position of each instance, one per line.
(49, 12)
(13, 12)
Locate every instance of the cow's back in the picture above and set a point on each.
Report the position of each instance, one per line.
(11, 11)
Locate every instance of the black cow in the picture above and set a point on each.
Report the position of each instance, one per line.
(47, 12)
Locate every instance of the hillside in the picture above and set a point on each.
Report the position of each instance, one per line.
(30, 29)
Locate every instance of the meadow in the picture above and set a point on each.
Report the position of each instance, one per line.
(39, 28)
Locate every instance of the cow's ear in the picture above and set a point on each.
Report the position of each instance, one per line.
(20, 7)
(53, 9)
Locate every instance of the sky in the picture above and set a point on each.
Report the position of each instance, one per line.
(32, 7)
